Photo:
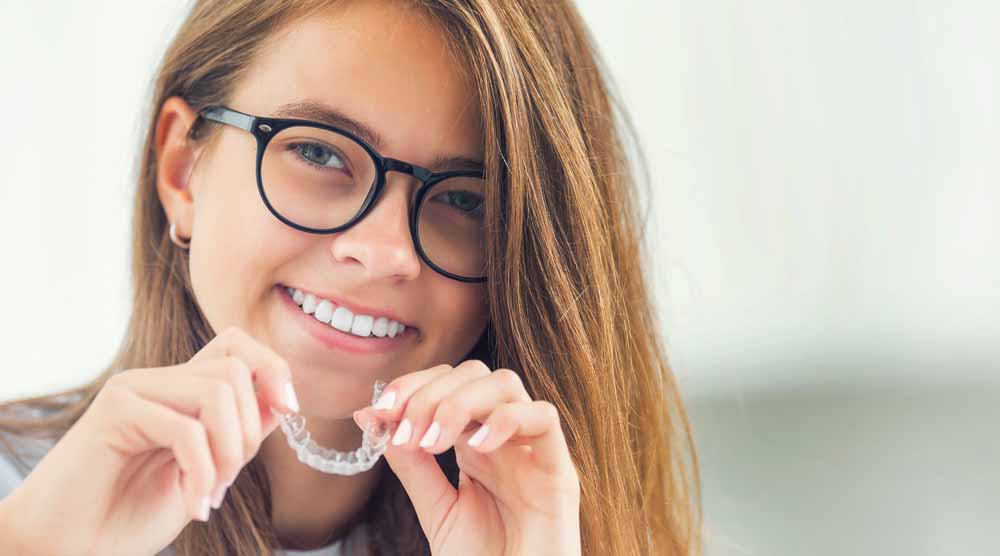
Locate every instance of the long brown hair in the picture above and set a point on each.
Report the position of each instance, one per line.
(569, 304)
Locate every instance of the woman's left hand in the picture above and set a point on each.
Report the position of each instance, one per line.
(518, 490)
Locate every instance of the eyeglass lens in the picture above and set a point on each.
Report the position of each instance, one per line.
(320, 179)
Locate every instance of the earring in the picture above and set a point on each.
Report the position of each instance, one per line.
(175, 239)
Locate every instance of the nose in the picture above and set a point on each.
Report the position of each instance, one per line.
(381, 241)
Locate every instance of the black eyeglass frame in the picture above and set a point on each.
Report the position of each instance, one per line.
(264, 128)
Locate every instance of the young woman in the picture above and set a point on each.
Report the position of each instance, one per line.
(431, 193)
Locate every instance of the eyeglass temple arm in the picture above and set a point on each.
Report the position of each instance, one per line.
(229, 116)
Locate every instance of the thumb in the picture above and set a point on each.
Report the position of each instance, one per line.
(425, 483)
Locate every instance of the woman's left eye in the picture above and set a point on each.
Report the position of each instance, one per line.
(467, 203)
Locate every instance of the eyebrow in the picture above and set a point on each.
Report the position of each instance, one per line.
(317, 111)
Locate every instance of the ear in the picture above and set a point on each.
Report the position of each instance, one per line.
(175, 157)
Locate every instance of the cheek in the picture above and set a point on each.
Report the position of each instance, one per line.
(236, 245)
(460, 314)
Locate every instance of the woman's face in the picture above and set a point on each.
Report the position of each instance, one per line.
(384, 65)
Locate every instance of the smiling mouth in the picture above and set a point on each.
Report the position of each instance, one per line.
(343, 319)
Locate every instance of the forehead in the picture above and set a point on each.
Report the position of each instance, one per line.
(382, 63)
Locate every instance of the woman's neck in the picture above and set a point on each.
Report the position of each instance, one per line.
(311, 508)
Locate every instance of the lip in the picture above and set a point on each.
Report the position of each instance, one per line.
(354, 307)
(336, 339)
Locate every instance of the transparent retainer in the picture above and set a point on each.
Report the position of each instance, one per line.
(374, 440)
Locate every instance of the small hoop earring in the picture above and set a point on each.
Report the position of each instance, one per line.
(175, 239)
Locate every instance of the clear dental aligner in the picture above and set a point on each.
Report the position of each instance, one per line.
(374, 441)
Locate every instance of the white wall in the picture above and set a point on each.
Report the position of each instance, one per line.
(824, 203)
(75, 78)
(826, 199)
(825, 178)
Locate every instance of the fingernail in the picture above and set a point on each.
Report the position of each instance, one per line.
(290, 400)
(217, 494)
(385, 401)
(203, 508)
(480, 435)
(402, 433)
(431, 436)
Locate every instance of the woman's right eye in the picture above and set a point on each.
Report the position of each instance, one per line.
(322, 155)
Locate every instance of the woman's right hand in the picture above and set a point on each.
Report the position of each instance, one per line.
(152, 447)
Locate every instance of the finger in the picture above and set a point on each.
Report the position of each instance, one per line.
(389, 406)
(159, 426)
(425, 483)
(238, 375)
(207, 399)
(535, 424)
(419, 408)
(270, 372)
(466, 405)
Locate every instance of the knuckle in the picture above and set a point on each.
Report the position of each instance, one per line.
(509, 377)
(419, 405)
(549, 409)
(233, 364)
(476, 367)
(403, 383)
(437, 370)
(427, 375)
(451, 409)
(504, 417)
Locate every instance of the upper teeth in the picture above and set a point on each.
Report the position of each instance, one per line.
(343, 319)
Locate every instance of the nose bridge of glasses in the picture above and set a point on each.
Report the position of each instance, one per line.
(393, 165)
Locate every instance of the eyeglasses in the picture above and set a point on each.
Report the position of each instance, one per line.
(323, 179)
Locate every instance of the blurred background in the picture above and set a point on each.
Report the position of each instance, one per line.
(822, 239)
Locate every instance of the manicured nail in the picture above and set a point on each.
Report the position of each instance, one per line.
(431, 436)
(363, 417)
(480, 435)
(203, 508)
(385, 401)
(290, 400)
(402, 433)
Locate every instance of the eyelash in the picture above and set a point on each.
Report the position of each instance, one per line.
(334, 152)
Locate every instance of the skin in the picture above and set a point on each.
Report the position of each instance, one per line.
(419, 103)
